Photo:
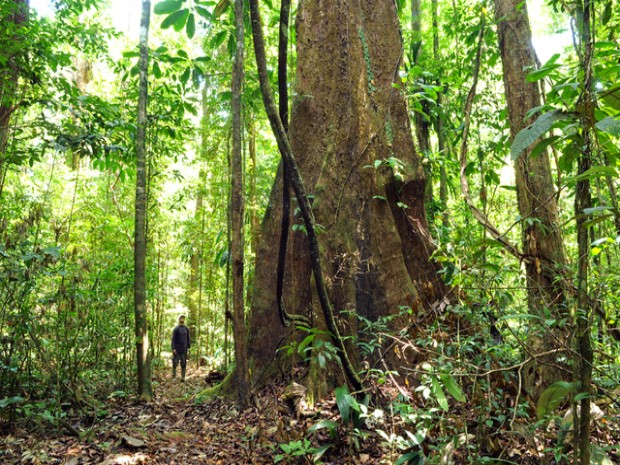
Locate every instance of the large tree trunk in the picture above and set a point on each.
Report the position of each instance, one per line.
(145, 390)
(542, 239)
(374, 246)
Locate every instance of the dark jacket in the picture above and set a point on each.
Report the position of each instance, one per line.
(180, 339)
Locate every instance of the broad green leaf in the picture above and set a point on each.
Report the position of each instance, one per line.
(528, 136)
(167, 7)
(611, 97)
(610, 125)
(305, 343)
(541, 73)
(206, 14)
(542, 146)
(185, 76)
(342, 400)
(417, 438)
(218, 39)
(156, 70)
(532, 111)
(437, 391)
(607, 12)
(594, 172)
(190, 27)
(323, 424)
(589, 211)
(224, 258)
(552, 397)
(221, 8)
(318, 453)
(10, 401)
(174, 18)
(452, 387)
(410, 458)
(180, 23)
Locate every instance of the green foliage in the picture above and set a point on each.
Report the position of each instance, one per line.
(301, 448)
(552, 397)
(529, 135)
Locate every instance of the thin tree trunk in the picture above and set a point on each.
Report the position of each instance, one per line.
(227, 312)
(145, 390)
(195, 261)
(543, 246)
(199, 305)
(237, 208)
(583, 201)
(254, 223)
(9, 74)
(421, 118)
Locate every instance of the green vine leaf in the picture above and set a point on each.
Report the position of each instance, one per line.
(610, 125)
(190, 27)
(452, 387)
(437, 391)
(545, 70)
(167, 7)
(552, 397)
(176, 19)
(221, 8)
(530, 134)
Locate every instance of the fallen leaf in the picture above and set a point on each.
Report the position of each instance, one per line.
(133, 442)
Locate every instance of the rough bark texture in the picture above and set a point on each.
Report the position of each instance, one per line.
(375, 251)
(583, 200)
(237, 211)
(542, 240)
(145, 390)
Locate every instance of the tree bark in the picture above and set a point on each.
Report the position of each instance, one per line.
(583, 200)
(543, 247)
(195, 262)
(145, 390)
(374, 246)
(237, 207)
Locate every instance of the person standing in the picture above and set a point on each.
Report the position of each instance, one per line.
(180, 347)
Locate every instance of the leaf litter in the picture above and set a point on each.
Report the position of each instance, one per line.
(174, 430)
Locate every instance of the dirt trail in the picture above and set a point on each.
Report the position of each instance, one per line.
(170, 430)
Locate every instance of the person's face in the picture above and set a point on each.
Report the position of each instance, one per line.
(182, 321)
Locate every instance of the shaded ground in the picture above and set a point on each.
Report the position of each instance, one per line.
(170, 430)
(174, 430)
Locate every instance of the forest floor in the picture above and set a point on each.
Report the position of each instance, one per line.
(175, 430)
(172, 430)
